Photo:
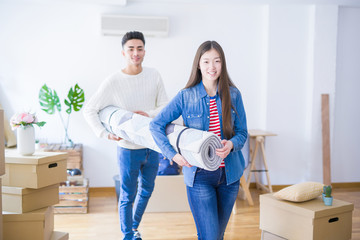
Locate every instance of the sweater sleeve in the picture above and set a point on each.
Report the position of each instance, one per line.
(98, 101)
(161, 98)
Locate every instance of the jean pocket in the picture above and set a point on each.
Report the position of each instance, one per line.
(199, 170)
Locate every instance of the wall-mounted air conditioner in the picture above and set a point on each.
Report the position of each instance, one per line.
(119, 25)
(102, 2)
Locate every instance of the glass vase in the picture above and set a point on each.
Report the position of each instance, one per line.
(26, 140)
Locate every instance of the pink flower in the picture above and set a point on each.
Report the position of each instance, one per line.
(27, 117)
(24, 119)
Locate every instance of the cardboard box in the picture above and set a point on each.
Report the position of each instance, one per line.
(75, 153)
(2, 143)
(1, 218)
(36, 171)
(269, 236)
(59, 236)
(169, 195)
(310, 220)
(38, 224)
(22, 200)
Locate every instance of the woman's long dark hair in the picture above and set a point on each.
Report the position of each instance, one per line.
(224, 83)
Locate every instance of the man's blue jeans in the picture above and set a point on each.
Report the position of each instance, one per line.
(138, 169)
(211, 202)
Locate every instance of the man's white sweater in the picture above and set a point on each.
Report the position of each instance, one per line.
(142, 92)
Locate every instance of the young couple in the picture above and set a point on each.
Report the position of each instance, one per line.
(209, 102)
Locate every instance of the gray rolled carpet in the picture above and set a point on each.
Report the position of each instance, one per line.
(196, 146)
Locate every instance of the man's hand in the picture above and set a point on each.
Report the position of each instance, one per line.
(142, 113)
(114, 137)
(180, 160)
(223, 152)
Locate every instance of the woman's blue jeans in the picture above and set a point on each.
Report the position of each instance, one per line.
(138, 169)
(211, 202)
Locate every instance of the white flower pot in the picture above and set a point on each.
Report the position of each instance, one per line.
(26, 140)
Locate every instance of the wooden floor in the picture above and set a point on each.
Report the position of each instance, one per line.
(102, 220)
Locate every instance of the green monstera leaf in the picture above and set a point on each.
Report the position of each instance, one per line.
(49, 100)
(75, 99)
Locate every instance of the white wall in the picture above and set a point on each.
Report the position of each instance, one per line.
(281, 57)
(346, 151)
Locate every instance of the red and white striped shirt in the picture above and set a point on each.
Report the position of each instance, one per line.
(214, 124)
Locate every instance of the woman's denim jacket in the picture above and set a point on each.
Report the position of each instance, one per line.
(193, 105)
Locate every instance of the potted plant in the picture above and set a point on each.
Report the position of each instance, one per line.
(50, 103)
(328, 199)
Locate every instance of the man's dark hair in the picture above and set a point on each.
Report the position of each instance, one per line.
(132, 35)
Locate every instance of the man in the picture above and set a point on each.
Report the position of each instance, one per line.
(140, 90)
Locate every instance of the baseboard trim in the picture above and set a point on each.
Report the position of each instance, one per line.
(252, 185)
(346, 185)
(102, 191)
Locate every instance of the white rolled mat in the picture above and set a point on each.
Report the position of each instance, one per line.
(196, 146)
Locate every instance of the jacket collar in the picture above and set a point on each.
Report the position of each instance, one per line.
(201, 89)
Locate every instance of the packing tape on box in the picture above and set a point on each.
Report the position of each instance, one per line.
(196, 146)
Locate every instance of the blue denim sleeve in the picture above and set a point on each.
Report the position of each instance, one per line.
(169, 113)
(240, 126)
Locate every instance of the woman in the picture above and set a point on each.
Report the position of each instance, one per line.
(209, 102)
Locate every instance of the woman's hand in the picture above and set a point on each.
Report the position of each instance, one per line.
(114, 137)
(180, 160)
(223, 152)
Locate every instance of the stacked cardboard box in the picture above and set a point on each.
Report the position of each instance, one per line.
(31, 188)
(310, 220)
(2, 164)
(1, 217)
(22, 200)
(38, 224)
(75, 154)
(35, 171)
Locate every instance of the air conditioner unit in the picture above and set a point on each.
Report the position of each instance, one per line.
(102, 2)
(119, 25)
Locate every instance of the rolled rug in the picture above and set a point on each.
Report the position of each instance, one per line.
(196, 146)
